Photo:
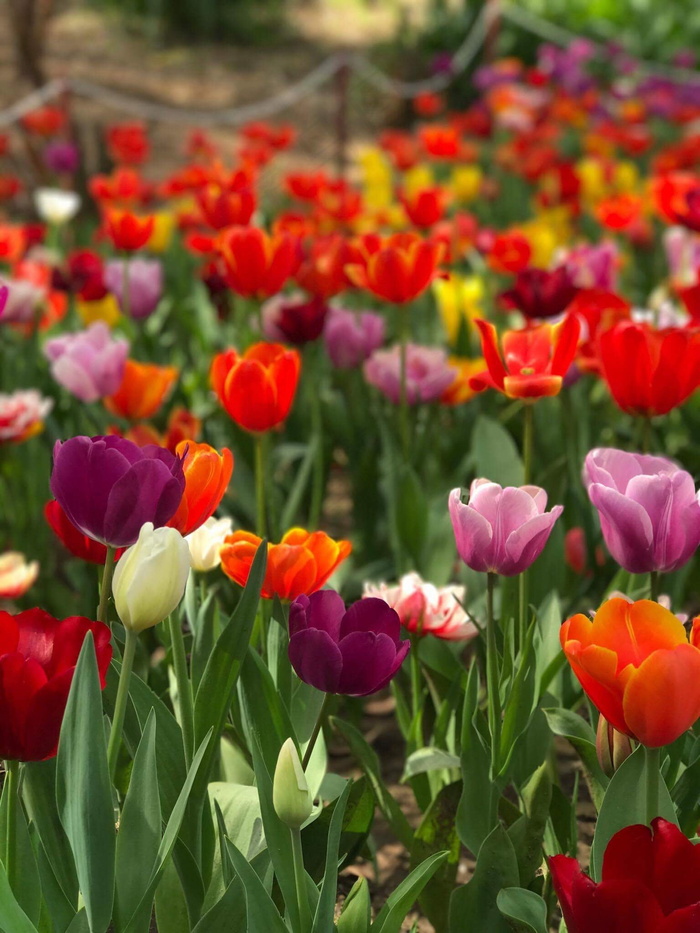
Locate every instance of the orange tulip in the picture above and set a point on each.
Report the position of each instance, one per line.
(635, 663)
(127, 230)
(142, 391)
(397, 268)
(207, 475)
(255, 263)
(257, 389)
(536, 359)
(300, 564)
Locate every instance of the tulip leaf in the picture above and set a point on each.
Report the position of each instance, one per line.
(572, 727)
(265, 712)
(139, 833)
(527, 833)
(438, 832)
(80, 923)
(357, 822)
(473, 905)
(170, 902)
(526, 908)
(428, 759)
(216, 688)
(400, 901)
(494, 453)
(84, 790)
(625, 804)
(325, 908)
(521, 702)
(26, 885)
(12, 918)
(356, 915)
(61, 911)
(367, 757)
(410, 509)
(260, 908)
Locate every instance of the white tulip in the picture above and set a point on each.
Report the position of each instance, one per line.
(205, 543)
(56, 206)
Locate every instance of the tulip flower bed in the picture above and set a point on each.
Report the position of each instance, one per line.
(428, 432)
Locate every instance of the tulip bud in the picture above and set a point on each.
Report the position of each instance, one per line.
(612, 747)
(150, 578)
(205, 543)
(290, 793)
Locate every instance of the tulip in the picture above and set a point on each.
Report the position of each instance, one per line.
(351, 336)
(650, 884)
(56, 206)
(677, 198)
(635, 663)
(460, 390)
(397, 268)
(459, 300)
(207, 475)
(23, 299)
(536, 359)
(144, 279)
(293, 318)
(61, 157)
(353, 652)
(291, 797)
(128, 231)
(256, 388)
(205, 543)
(16, 575)
(612, 747)
(539, 293)
(594, 266)
(501, 530)
(142, 390)
(322, 270)
(301, 563)
(90, 364)
(428, 373)
(222, 209)
(38, 655)
(647, 506)
(424, 207)
(255, 263)
(150, 579)
(79, 544)
(22, 415)
(108, 487)
(424, 609)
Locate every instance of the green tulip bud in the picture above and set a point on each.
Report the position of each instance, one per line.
(290, 793)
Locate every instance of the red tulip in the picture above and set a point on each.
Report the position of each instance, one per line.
(255, 263)
(128, 231)
(74, 540)
(398, 268)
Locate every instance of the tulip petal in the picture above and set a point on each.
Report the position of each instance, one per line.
(662, 697)
(613, 907)
(686, 920)
(627, 529)
(317, 660)
(473, 534)
(369, 662)
(325, 612)
(524, 545)
(676, 868)
(371, 615)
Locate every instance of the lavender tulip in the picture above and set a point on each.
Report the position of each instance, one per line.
(501, 530)
(108, 487)
(350, 336)
(90, 364)
(428, 373)
(145, 278)
(353, 652)
(648, 509)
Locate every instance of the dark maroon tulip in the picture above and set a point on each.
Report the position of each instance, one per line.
(539, 293)
(109, 487)
(353, 652)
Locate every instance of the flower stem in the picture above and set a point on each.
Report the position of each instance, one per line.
(492, 677)
(106, 590)
(653, 776)
(317, 731)
(184, 687)
(115, 735)
(415, 678)
(300, 882)
(654, 584)
(404, 426)
(317, 436)
(528, 441)
(523, 599)
(126, 296)
(12, 791)
(260, 485)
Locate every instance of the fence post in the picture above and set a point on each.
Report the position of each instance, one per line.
(493, 27)
(342, 89)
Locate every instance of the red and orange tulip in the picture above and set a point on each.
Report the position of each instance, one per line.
(207, 475)
(142, 391)
(257, 264)
(397, 268)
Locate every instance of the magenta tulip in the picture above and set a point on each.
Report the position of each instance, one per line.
(351, 336)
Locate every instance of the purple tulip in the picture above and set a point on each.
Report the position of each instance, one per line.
(353, 652)
(648, 509)
(90, 364)
(351, 336)
(594, 265)
(428, 373)
(62, 157)
(109, 487)
(145, 284)
(501, 530)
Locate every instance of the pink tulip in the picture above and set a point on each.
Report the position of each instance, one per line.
(425, 609)
(90, 364)
(428, 373)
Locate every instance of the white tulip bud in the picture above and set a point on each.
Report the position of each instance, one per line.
(56, 206)
(205, 543)
(150, 578)
(290, 793)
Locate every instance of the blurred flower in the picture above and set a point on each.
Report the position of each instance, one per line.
(205, 543)
(460, 390)
(16, 575)
(207, 475)
(127, 143)
(256, 388)
(648, 509)
(90, 364)
(459, 299)
(79, 544)
(630, 660)
(425, 207)
(37, 662)
(150, 579)
(291, 797)
(255, 263)
(352, 652)
(293, 318)
(22, 414)
(424, 609)
(510, 251)
(61, 157)
(23, 303)
(428, 373)
(593, 265)
(44, 121)
(142, 390)
(128, 231)
(576, 553)
(351, 336)
(540, 293)
(301, 563)
(109, 488)
(501, 530)
(397, 268)
(99, 309)
(145, 277)
(55, 205)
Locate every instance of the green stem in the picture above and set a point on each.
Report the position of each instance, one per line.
(654, 584)
(126, 297)
(317, 435)
(12, 791)
(184, 687)
(300, 882)
(528, 441)
(115, 735)
(106, 590)
(492, 676)
(404, 420)
(260, 485)
(317, 731)
(653, 777)
(646, 435)
(523, 599)
(416, 685)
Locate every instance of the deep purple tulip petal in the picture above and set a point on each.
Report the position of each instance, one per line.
(325, 612)
(404, 648)
(627, 529)
(371, 615)
(148, 492)
(368, 662)
(297, 615)
(525, 544)
(317, 660)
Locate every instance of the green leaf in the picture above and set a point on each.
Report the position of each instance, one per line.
(495, 453)
(473, 905)
(522, 699)
(525, 907)
(261, 911)
(527, 833)
(400, 901)
(55, 903)
(437, 832)
(84, 790)
(265, 711)
(323, 919)
(428, 759)
(625, 804)
(12, 918)
(572, 727)
(26, 885)
(357, 822)
(411, 512)
(367, 757)
(171, 903)
(139, 834)
(356, 915)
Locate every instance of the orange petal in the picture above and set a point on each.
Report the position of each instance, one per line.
(662, 697)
